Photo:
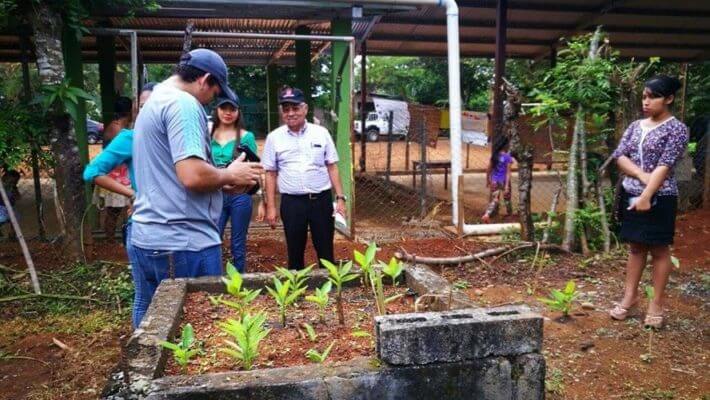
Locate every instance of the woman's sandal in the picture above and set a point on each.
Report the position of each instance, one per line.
(653, 321)
(620, 313)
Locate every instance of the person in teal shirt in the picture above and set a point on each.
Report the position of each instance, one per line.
(227, 131)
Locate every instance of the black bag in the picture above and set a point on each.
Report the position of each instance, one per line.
(250, 156)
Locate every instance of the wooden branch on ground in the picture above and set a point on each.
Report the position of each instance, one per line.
(46, 295)
(500, 251)
(20, 238)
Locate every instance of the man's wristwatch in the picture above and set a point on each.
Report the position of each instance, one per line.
(341, 197)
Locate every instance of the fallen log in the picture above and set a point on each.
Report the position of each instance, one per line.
(413, 258)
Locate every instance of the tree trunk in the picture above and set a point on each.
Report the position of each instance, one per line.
(47, 27)
(572, 184)
(523, 153)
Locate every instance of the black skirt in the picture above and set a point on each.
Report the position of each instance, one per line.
(653, 227)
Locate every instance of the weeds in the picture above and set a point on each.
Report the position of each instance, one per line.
(320, 297)
(561, 300)
(554, 382)
(247, 334)
(317, 357)
(183, 350)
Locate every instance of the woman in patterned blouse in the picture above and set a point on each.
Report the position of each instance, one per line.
(647, 154)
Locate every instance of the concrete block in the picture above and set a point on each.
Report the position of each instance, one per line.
(426, 282)
(453, 336)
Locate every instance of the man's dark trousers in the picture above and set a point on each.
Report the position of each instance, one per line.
(299, 212)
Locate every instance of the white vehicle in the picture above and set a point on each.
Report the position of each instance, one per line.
(377, 122)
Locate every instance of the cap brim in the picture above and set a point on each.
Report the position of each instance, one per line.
(223, 100)
(290, 101)
(227, 93)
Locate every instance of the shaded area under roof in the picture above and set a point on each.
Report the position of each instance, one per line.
(678, 30)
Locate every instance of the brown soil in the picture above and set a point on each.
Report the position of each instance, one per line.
(691, 239)
(285, 347)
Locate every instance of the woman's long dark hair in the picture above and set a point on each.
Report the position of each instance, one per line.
(499, 144)
(238, 124)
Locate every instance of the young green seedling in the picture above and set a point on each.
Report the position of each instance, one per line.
(182, 350)
(650, 295)
(393, 269)
(243, 296)
(247, 333)
(320, 297)
(561, 300)
(339, 276)
(284, 296)
(317, 357)
(365, 260)
(312, 335)
(379, 292)
(297, 279)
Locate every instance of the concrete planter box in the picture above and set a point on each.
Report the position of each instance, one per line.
(461, 353)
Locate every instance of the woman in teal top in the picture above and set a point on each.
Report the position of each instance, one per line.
(227, 131)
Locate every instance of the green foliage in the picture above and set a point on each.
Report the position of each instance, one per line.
(317, 357)
(62, 97)
(320, 297)
(393, 269)
(338, 276)
(561, 300)
(284, 297)
(297, 279)
(183, 350)
(554, 383)
(243, 297)
(364, 261)
(247, 333)
(649, 292)
(312, 335)
(378, 290)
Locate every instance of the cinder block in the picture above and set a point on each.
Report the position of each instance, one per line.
(453, 336)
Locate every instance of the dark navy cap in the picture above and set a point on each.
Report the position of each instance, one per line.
(291, 95)
(223, 100)
(209, 61)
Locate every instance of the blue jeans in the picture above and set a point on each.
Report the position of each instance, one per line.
(237, 208)
(152, 266)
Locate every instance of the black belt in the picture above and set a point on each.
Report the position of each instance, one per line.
(309, 196)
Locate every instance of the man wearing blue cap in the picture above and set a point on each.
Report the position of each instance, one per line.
(179, 203)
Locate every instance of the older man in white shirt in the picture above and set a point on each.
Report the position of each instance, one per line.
(301, 160)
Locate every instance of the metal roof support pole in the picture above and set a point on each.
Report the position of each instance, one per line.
(106, 47)
(272, 107)
(303, 67)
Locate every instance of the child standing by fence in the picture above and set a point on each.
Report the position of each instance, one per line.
(498, 178)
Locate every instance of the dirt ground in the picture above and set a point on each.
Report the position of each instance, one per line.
(588, 357)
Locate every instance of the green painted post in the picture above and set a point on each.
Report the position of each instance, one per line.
(303, 67)
(107, 71)
(71, 47)
(272, 108)
(342, 104)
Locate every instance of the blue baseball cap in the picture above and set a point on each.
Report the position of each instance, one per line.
(211, 62)
(223, 100)
(291, 95)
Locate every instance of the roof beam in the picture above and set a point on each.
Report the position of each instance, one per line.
(583, 8)
(542, 26)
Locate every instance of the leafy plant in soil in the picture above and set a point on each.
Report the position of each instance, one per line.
(561, 300)
(297, 279)
(312, 335)
(317, 357)
(182, 350)
(320, 297)
(339, 275)
(393, 269)
(365, 260)
(284, 296)
(648, 357)
(247, 334)
(243, 296)
(379, 292)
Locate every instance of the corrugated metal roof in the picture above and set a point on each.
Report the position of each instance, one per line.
(677, 30)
